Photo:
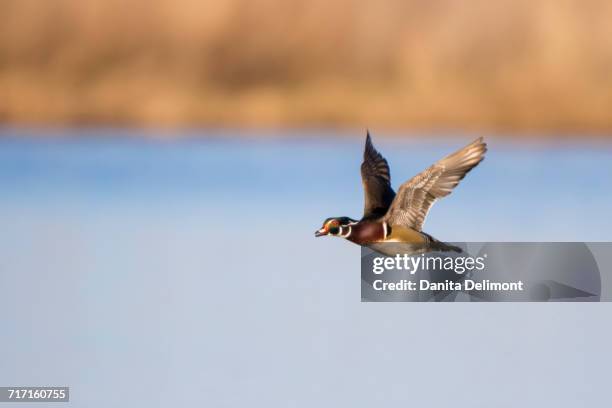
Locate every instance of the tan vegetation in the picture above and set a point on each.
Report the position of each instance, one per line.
(422, 64)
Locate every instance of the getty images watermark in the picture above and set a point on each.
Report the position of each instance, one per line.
(490, 272)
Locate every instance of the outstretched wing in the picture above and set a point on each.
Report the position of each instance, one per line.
(416, 196)
(376, 179)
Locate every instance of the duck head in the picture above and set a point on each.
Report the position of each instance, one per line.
(335, 226)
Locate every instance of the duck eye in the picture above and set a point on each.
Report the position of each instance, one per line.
(333, 227)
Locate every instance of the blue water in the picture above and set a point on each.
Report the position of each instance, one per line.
(182, 272)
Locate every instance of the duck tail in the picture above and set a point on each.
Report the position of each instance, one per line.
(444, 247)
(436, 245)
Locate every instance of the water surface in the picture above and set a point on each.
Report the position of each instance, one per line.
(155, 272)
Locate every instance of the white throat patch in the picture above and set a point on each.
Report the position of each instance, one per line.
(350, 229)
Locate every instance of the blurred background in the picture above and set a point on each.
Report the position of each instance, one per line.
(440, 64)
(164, 165)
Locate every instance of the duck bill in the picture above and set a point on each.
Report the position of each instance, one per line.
(321, 232)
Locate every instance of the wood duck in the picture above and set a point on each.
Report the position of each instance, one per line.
(388, 217)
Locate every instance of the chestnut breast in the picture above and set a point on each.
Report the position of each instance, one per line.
(366, 232)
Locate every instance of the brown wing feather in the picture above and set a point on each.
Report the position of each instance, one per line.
(416, 196)
(376, 178)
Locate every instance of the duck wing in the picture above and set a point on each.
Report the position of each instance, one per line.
(416, 196)
(376, 179)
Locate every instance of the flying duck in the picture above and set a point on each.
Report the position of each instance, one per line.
(399, 218)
